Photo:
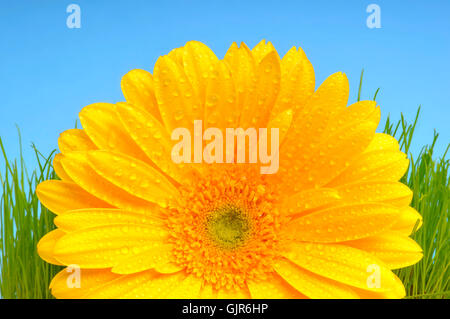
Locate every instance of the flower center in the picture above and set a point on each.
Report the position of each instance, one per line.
(225, 228)
(228, 226)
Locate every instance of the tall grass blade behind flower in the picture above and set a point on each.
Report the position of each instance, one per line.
(429, 180)
(23, 221)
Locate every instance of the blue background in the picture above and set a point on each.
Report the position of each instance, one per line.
(48, 72)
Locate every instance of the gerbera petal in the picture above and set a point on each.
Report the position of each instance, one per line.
(243, 69)
(311, 284)
(297, 84)
(75, 140)
(147, 284)
(106, 246)
(157, 257)
(345, 264)
(198, 61)
(138, 89)
(46, 246)
(133, 176)
(59, 170)
(300, 146)
(220, 105)
(375, 165)
(338, 150)
(394, 249)
(237, 293)
(345, 126)
(382, 141)
(408, 219)
(394, 193)
(189, 288)
(309, 200)
(263, 49)
(177, 55)
(89, 279)
(353, 114)
(178, 103)
(103, 126)
(282, 122)
(152, 137)
(76, 165)
(389, 294)
(343, 223)
(60, 196)
(273, 287)
(290, 60)
(262, 99)
(310, 122)
(92, 217)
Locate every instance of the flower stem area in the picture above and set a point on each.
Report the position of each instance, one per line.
(23, 221)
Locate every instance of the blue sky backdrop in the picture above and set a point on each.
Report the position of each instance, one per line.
(48, 72)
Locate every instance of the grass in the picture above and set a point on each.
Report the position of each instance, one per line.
(23, 221)
(429, 180)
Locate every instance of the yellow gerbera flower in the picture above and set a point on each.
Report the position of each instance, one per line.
(331, 223)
